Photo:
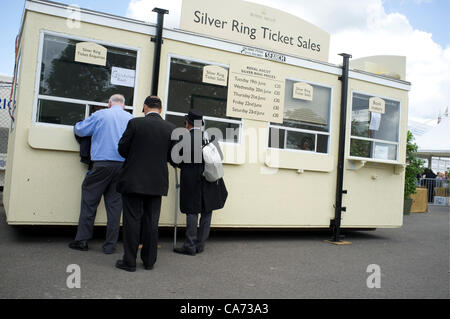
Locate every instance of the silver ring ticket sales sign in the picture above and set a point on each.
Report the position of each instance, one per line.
(256, 26)
(255, 91)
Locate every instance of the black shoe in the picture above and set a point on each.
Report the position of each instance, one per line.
(184, 251)
(121, 265)
(199, 250)
(148, 267)
(109, 252)
(79, 245)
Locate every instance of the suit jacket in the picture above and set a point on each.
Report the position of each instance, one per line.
(146, 145)
(85, 149)
(196, 193)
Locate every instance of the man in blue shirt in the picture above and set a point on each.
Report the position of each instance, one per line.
(106, 128)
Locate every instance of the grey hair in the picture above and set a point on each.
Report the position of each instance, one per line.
(119, 98)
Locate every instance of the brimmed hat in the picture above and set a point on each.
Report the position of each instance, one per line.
(194, 115)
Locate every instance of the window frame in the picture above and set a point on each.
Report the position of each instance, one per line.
(86, 103)
(217, 119)
(398, 144)
(315, 133)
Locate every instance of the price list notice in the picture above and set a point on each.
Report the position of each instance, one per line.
(255, 91)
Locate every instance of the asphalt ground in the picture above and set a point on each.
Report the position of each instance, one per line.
(413, 262)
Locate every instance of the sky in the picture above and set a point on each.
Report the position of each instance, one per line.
(417, 29)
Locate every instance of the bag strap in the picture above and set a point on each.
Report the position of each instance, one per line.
(207, 142)
(205, 139)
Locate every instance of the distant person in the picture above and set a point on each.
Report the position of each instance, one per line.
(106, 127)
(197, 195)
(306, 144)
(146, 145)
(430, 182)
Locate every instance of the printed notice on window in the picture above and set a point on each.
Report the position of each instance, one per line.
(123, 77)
(375, 120)
(381, 152)
(255, 91)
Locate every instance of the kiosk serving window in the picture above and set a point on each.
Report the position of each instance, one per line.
(306, 122)
(374, 127)
(188, 89)
(76, 77)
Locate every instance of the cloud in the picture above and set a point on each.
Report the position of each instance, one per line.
(142, 10)
(361, 28)
(428, 64)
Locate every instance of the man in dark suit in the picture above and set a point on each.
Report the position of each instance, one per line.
(146, 145)
(197, 195)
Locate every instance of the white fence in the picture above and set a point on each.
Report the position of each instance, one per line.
(5, 123)
(438, 190)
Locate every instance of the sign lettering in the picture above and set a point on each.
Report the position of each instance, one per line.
(255, 91)
(303, 91)
(257, 26)
(377, 105)
(91, 53)
(214, 74)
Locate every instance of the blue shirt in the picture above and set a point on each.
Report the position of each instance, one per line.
(106, 128)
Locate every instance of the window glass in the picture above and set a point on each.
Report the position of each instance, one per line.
(60, 112)
(310, 115)
(376, 150)
(306, 123)
(276, 138)
(361, 118)
(62, 76)
(188, 91)
(232, 135)
(230, 131)
(374, 135)
(300, 141)
(177, 120)
(95, 108)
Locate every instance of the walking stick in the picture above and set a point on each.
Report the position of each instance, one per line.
(177, 187)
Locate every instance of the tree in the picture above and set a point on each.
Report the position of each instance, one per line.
(414, 166)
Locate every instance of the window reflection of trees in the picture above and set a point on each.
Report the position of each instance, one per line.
(188, 91)
(62, 76)
(387, 131)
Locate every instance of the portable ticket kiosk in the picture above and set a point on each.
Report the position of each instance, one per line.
(306, 143)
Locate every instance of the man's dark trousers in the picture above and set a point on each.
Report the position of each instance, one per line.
(101, 180)
(196, 237)
(140, 210)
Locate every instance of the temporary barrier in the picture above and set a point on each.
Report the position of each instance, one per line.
(438, 190)
(5, 123)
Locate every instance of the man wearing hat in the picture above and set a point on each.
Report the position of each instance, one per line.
(197, 195)
(146, 145)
